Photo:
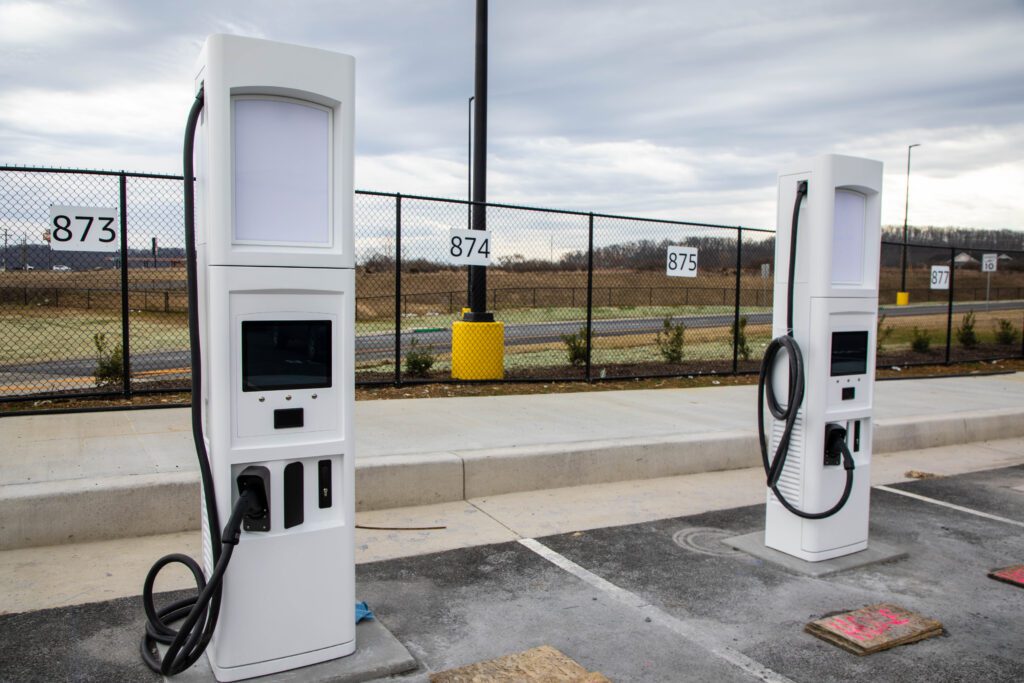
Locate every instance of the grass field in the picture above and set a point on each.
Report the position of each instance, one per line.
(36, 334)
(59, 327)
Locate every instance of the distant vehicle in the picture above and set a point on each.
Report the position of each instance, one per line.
(24, 267)
(61, 269)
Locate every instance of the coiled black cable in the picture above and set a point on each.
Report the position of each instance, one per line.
(795, 396)
(187, 644)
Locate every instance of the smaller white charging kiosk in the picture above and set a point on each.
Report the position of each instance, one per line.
(826, 301)
(274, 153)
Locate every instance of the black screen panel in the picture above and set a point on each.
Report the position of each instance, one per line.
(849, 353)
(286, 354)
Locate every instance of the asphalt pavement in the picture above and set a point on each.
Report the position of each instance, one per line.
(637, 604)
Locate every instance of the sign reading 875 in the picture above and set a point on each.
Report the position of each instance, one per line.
(83, 228)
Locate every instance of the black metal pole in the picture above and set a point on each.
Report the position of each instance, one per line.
(590, 292)
(469, 165)
(478, 274)
(906, 212)
(949, 305)
(126, 364)
(398, 290)
(736, 307)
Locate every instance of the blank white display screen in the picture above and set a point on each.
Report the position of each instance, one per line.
(282, 172)
(848, 238)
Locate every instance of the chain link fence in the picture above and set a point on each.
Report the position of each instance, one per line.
(582, 296)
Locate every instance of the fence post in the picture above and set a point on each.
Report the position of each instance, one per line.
(736, 307)
(125, 350)
(949, 305)
(398, 290)
(590, 292)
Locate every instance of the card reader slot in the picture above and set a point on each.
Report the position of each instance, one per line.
(324, 488)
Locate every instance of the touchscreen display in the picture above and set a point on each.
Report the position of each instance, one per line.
(286, 354)
(849, 353)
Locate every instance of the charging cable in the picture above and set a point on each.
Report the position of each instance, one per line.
(187, 644)
(795, 395)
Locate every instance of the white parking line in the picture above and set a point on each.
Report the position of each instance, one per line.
(690, 632)
(951, 506)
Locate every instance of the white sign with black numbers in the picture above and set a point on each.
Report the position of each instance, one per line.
(469, 247)
(681, 262)
(83, 228)
(940, 277)
(989, 262)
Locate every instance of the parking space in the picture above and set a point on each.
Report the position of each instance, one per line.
(656, 601)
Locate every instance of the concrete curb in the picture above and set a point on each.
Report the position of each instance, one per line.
(80, 510)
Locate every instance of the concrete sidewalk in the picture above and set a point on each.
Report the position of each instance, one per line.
(95, 476)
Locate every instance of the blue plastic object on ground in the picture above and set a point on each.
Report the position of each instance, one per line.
(363, 612)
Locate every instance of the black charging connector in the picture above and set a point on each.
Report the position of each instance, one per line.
(835, 442)
(255, 480)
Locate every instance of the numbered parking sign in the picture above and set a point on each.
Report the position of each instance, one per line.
(989, 262)
(940, 277)
(681, 262)
(83, 228)
(469, 247)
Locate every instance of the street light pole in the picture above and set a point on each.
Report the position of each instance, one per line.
(906, 213)
(478, 274)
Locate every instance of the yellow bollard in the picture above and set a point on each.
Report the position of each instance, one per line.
(478, 350)
(902, 298)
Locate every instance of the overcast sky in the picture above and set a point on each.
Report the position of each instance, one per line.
(667, 108)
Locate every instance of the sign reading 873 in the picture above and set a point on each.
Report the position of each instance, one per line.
(83, 228)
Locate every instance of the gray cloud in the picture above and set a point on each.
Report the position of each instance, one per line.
(658, 107)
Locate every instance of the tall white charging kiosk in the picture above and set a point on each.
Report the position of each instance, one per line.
(826, 301)
(274, 150)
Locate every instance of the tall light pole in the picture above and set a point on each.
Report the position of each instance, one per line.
(906, 213)
(478, 274)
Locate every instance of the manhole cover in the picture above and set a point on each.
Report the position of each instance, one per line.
(705, 540)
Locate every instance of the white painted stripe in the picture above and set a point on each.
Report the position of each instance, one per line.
(951, 506)
(694, 633)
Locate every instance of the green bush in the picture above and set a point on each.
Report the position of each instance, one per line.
(109, 362)
(670, 341)
(418, 359)
(965, 333)
(921, 340)
(576, 346)
(1006, 333)
(882, 333)
(739, 338)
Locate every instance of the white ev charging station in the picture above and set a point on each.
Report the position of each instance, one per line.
(825, 319)
(274, 286)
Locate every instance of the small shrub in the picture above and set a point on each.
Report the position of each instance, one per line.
(739, 338)
(965, 333)
(921, 340)
(882, 333)
(576, 346)
(109, 362)
(670, 341)
(418, 359)
(1006, 333)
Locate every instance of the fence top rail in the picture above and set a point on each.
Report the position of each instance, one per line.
(85, 171)
(567, 212)
(959, 247)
